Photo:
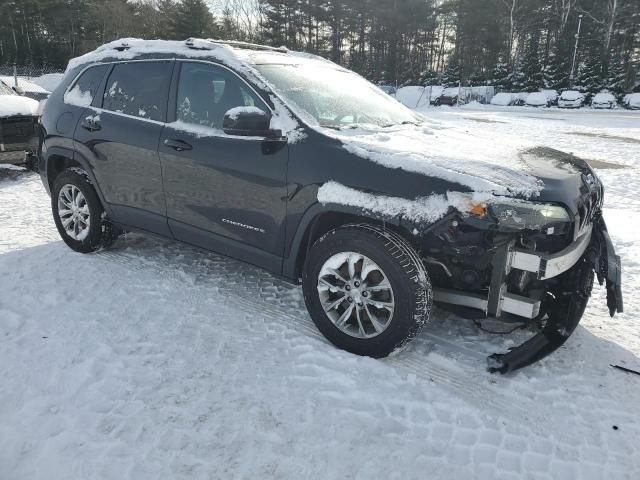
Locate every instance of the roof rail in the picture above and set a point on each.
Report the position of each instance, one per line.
(123, 46)
(249, 46)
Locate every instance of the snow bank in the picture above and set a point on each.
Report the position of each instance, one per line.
(15, 105)
(49, 81)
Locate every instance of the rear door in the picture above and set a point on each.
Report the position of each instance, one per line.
(121, 137)
(226, 193)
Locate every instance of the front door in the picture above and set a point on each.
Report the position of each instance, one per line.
(227, 193)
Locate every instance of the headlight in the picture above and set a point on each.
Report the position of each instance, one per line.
(519, 214)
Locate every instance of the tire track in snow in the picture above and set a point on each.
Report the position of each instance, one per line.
(459, 378)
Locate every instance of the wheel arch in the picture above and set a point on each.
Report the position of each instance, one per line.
(59, 159)
(320, 219)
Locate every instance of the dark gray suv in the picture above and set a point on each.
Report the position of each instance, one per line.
(292, 163)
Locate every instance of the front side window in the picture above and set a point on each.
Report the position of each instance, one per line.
(84, 90)
(206, 92)
(139, 89)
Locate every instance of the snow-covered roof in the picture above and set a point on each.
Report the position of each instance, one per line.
(11, 105)
(220, 50)
(603, 97)
(24, 84)
(537, 99)
(571, 95)
(502, 99)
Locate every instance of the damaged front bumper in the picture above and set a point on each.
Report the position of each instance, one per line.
(568, 278)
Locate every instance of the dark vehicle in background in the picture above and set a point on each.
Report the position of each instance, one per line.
(232, 147)
(449, 97)
(18, 128)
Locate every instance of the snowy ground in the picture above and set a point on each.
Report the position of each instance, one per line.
(157, 360)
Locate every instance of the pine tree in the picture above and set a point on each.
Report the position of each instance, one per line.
(451, 76)
(501, 77)
(194, 19)
(531, 64)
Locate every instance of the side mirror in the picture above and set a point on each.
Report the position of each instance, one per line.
(247, 122)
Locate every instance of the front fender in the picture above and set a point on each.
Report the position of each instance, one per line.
(309, 220)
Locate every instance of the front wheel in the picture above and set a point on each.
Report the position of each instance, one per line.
(78, 213)
(366, 289)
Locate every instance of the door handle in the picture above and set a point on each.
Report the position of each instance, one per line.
(177, 145)
(90, 125)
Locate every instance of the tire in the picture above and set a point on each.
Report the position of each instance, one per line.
(411, 294)
(100, 233)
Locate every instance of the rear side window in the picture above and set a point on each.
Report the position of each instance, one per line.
(84, 89)
(139, 89)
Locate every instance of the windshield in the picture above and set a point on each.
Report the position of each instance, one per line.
(334, 98)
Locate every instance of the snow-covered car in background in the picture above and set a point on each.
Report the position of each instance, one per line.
(25, 88)
(503, 99)
(571, 99)
(520, 98)
(388, 89)
(552, 95)
(18, 127)
(450, 96)
(307, 170)
(537, 99)
(604, 100)
(632, 101)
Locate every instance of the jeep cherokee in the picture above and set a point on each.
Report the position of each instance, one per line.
(294, 164)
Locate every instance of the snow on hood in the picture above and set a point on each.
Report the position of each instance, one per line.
(486, 165)
(11, 105)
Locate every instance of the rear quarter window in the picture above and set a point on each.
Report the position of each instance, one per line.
(139, 89)
(86, 86)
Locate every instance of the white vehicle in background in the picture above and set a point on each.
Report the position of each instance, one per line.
(537, 99)
(504, 99)
(552, 96)
(571, 99)
(632, 101)
(603, 100)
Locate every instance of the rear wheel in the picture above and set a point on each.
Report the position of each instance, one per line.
(366, 289)
(78, 213)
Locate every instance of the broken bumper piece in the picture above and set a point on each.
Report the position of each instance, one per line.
(573, 270)
(597, 257)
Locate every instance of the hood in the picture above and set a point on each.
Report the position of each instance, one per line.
(12, 105)
(489, 166)
(567, 179)
(484, 164)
